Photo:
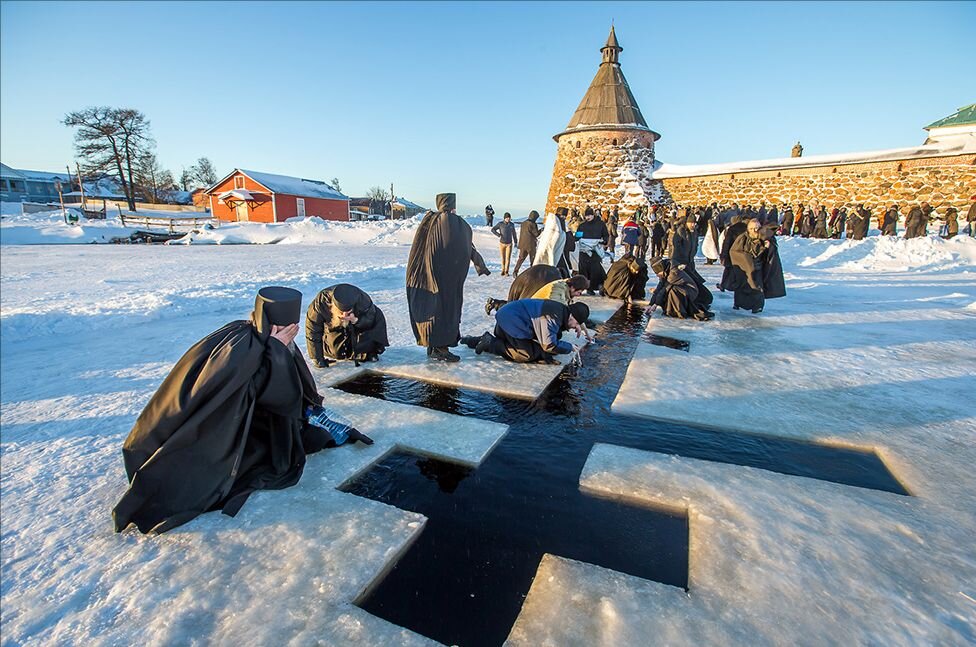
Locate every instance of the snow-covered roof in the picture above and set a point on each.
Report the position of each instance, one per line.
(240, 194)
(409, 205)
(957, 146)
(294, 185)
(37, 176)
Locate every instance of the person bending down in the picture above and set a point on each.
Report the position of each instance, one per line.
(559, 289)
(529, 330)
(676, 293)
(343, 323)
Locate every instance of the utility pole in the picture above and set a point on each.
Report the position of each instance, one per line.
(81, 185)
(392, 197)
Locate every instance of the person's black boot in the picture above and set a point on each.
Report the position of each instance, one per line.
(470, 342)
(484, 343)
(443, 354)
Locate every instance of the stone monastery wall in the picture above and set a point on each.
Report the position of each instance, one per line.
(604, 168)
(937, 180)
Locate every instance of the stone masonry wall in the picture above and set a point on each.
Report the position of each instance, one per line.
(604, 168)
(937, 180)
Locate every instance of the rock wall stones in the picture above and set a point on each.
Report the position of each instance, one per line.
(937, 180)
(605, 169)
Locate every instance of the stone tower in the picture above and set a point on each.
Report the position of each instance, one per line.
(606, 154)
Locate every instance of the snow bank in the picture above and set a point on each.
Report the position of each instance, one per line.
(881, 254)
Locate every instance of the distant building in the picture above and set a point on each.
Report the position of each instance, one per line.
(372, 209)
(20, 185)
(265, 197)
(200, 199)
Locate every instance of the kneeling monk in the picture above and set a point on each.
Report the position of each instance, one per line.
(343, 323)
(229, 419)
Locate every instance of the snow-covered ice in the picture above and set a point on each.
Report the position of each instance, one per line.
(873, 347)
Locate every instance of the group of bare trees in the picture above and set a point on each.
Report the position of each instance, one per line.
(117, 142)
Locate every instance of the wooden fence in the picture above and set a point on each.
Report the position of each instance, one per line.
(171, 225)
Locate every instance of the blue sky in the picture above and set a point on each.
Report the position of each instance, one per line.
(465, 97)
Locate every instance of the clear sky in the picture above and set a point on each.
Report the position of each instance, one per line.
(465, 97)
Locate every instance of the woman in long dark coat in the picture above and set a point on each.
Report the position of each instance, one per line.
(756, 270)
(436, 270)
(343, 323)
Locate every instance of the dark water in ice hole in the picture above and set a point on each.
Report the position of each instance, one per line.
(465, 578)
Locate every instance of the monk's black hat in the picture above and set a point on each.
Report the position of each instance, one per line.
(446, 202)
(344, 296)
(657, 265)
(562, 211)
(533, 215)
(276, 306)
(580, 311)
(589, 212)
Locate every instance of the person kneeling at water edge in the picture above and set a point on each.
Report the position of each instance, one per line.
(676, 293)
(238, 413)
(343, 323)
(529, 330)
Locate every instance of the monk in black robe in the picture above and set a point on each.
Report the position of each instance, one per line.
(525, 285)
(227, 420)
(676, 293)
(732, 232)
(436, 270)
(684, 247)
(342, 322)
(626, 279)
(757, 272)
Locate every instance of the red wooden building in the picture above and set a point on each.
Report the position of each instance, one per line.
(265, 197)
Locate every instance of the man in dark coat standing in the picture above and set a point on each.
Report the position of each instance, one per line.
(613, 224)
(436, 270)
(757, 272)
(226, 421)
(527, 240)
(889, 224)
(343, 323)
(916, 223)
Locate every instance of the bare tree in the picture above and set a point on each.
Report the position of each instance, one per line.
(149, 175)
(110, 141)
(335, 184)
(204, 172)
(377, 193)
(186, 179)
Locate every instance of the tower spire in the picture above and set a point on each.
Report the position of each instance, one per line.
(611, 51)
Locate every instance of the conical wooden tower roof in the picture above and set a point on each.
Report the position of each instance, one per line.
(608, 102)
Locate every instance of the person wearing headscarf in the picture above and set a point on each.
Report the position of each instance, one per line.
(343, 323)
(228, 420)
(436, 270)
(626, 279)
(529, 330)
(528, 240)
(676, 293)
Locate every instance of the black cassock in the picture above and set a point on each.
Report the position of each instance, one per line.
(677, 295)
(627, 278)
(325, 333)
(757, 272)
(531, 280)
(436, 271)
(227, 420)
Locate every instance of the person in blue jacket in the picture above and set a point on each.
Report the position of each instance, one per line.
(529, 330)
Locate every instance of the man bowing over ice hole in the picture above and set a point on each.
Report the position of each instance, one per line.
(229, 419)
(436, 271)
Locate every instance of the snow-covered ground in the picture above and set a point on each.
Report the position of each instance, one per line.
(89, 332)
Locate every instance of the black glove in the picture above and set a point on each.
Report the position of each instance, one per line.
(356, 435)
